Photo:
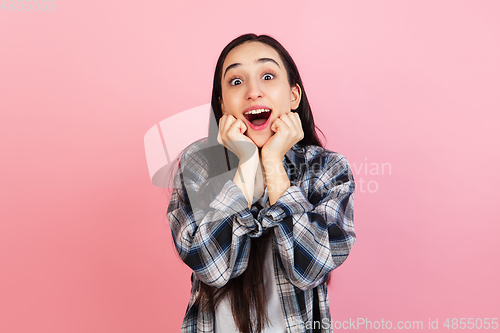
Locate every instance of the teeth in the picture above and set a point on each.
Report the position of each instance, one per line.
(256, 111)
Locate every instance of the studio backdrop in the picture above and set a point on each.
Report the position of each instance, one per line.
(407, 91)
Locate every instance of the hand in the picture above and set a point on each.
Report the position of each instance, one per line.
(288, 131)
(231, 135)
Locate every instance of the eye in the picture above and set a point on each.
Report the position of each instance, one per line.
(235, 81)
(268, 76)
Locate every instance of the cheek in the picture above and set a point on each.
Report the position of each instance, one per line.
(230, 101)
(284, 99)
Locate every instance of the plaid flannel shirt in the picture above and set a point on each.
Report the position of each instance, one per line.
(312, 224)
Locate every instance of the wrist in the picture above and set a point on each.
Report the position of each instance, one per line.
(277, 184)
(271, 156)
(272, 165)
(251, 164)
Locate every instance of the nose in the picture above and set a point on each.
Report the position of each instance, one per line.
(254, 90)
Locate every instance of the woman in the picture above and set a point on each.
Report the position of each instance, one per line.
(261, 212)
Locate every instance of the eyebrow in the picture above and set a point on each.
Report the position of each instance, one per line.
(260, 60)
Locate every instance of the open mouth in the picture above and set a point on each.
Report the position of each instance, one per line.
(258, 117)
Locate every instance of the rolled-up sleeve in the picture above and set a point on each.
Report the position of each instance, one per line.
(213, 240)
(313, 222)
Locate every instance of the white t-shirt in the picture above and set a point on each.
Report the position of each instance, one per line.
(224, 322)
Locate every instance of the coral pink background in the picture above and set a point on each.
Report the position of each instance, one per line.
(84, 242)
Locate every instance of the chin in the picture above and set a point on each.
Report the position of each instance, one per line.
(260, 141)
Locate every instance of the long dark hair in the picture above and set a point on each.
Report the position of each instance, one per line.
(246, 292)
(304, 109)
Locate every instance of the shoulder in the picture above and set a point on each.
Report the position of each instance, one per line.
(316, 156)
(319, 171)
(193, 159)
(206, 159)
(194, 148)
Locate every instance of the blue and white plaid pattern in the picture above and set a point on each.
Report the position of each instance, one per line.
(312, 224)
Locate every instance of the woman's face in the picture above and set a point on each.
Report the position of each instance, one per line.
(255, 89)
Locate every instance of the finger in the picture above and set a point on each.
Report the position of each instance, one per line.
(236, 128)
(219, 139)
(273, 126)
(287, 120)
(295, 126)
(296, 119)
(221, 127)
(240, 125)
(228, 122)
(226, 126)
(279, 125)
(299, 131)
